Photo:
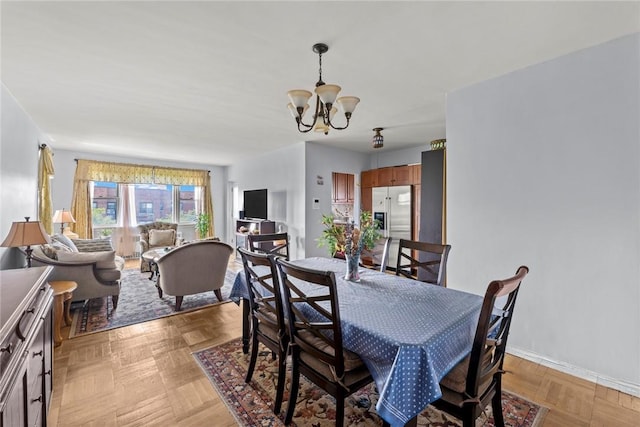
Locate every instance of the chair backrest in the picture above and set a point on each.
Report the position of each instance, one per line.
(311, 307)
(276, 244)
(265, 300)
(378, 257)
(157, 225)
(490, 342)
(423, 261)
(195, 267)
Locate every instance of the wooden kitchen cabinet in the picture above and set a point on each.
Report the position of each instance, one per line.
(367, 178)
(415, 173)
(343, 188)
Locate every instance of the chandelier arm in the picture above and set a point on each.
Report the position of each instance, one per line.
(315, 115)
(339, 128)
(308, 128)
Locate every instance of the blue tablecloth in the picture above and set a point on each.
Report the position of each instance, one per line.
(410, 334)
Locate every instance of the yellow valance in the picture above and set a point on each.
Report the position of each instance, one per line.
(91, 170)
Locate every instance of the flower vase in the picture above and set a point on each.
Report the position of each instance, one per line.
(353, 262)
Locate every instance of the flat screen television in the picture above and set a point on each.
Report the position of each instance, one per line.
(255, 204)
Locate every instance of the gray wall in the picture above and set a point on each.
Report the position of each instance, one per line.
(62, 184)
(281, 172)
(404, 156)
(543, 169)
(19, 141)
(321, 161)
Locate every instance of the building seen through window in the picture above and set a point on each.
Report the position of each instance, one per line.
(152, 202)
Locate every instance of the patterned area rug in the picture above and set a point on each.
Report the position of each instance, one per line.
(138, 302)
(251, 404)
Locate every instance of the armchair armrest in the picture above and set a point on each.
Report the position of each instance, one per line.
(71, 269)
(86, 275)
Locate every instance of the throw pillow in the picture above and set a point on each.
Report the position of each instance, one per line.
(51, 249)
(93, 245)
(162, 237)
(65, 241)
(104, 260)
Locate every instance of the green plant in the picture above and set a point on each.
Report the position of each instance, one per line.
(202, 225)
(349, 238)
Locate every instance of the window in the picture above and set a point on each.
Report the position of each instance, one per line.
(104, 202)
(187, 203)
(153, 202)
(145, 212)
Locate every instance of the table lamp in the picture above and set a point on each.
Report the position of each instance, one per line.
(25, 233)
(62, 217)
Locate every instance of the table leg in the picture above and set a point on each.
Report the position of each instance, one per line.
(245, 326)
(67, 308)
(58, 303)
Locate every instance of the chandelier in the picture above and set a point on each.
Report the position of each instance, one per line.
(326, 95)
(378, 139)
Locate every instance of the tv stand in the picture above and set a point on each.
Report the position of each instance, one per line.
(262, 226)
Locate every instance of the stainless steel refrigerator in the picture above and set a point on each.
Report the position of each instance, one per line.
(392, 207)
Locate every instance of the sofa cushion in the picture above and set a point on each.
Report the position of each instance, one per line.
(104, 259)
(162, 237)
(93, 245)
(61, 238)
(50, 250)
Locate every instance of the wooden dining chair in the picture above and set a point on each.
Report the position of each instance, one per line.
(276, 244)
(316, 337)
(423, 261)
(267, 316)
(378, 257)
(477, 380)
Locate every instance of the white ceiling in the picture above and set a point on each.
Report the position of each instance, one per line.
(206, 82)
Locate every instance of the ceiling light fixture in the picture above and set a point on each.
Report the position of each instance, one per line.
(326, 95)
(378, 139)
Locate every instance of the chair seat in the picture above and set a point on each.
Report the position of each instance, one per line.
(358, 370)
(351, 360)
(269, 331)
(455, 383)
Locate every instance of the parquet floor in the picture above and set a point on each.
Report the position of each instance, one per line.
(144, 375)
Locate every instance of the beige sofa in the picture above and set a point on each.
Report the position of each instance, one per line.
(92, 264)
(193, 268)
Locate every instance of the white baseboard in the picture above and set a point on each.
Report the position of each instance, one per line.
(623, 386)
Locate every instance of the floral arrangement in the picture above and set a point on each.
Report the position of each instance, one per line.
(349, 239)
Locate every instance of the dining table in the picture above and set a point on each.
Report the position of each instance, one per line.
(410, 334)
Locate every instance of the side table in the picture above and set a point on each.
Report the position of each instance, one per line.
(62, 294)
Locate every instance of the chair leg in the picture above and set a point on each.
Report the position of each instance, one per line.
(178, 302)
(218, 295)
(340, 409)
(468, 419)
(114, 299)
(282, 371)
(254, 357)
(496, 405)
(293, 393)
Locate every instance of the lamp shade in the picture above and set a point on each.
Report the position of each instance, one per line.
(25, 233)
(62, 216)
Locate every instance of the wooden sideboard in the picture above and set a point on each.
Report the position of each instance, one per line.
(26, 347)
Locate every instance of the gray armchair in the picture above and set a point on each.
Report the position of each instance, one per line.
(193, 268)
(150, 240)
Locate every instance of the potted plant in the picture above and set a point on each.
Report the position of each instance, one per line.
(202, 225)
(350, 239)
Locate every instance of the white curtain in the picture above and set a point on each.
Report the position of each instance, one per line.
(124, 234)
